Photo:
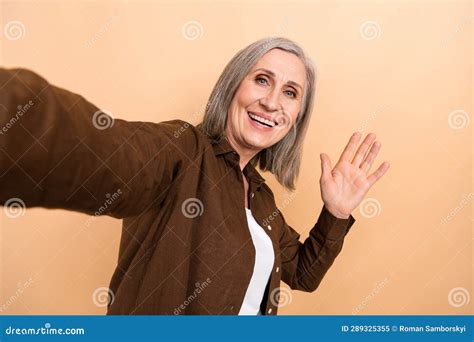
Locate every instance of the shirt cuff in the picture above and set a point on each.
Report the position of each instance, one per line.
(332, 227)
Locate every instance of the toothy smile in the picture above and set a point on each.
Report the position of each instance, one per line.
(261, 120)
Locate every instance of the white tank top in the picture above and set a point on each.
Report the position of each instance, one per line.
(264, 259)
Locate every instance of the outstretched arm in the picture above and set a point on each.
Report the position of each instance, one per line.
(57, 150)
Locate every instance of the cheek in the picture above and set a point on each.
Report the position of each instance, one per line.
(293, 113)
(247, 94)
(285, 132)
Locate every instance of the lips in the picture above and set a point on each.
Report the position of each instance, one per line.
(262, 120)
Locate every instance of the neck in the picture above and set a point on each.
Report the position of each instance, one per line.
(245, 154)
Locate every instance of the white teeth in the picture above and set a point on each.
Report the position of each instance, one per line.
(259, 118)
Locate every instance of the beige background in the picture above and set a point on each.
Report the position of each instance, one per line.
(402, 70)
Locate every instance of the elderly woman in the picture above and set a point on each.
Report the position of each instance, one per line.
(201, 231)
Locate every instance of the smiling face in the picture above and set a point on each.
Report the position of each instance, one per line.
(267, 102)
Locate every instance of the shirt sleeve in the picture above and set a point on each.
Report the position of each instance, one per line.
(305, 264)
(57, 150)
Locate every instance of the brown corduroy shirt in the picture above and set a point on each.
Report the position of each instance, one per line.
(185, 246)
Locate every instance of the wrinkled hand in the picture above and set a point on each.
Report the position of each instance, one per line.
(344, 187)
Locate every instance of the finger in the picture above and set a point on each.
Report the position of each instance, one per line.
(350, 147)
(374, 177)
(363, 148)
(326, 166)
(369, 160)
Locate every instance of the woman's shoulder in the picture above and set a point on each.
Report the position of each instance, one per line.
(180, 133)
(175, 127)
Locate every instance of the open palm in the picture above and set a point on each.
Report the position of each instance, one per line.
(344, 186)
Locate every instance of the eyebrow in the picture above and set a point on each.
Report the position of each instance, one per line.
(293, 83)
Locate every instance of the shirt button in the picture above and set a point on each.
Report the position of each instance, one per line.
(269, 227)
(277, 269)
(269, 310)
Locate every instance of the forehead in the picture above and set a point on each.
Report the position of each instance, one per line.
(286, 65)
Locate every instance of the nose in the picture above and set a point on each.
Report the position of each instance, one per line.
(270, 100)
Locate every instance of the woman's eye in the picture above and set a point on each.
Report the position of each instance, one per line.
(258, 79)
(263, 81)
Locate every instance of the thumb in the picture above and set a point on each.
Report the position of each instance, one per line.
(326, 166)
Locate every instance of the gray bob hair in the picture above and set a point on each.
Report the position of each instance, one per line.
(282, 159)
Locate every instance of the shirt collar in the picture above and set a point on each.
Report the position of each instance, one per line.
(223, 147)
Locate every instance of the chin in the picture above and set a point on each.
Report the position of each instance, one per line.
(261, 147)
(254, 144)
